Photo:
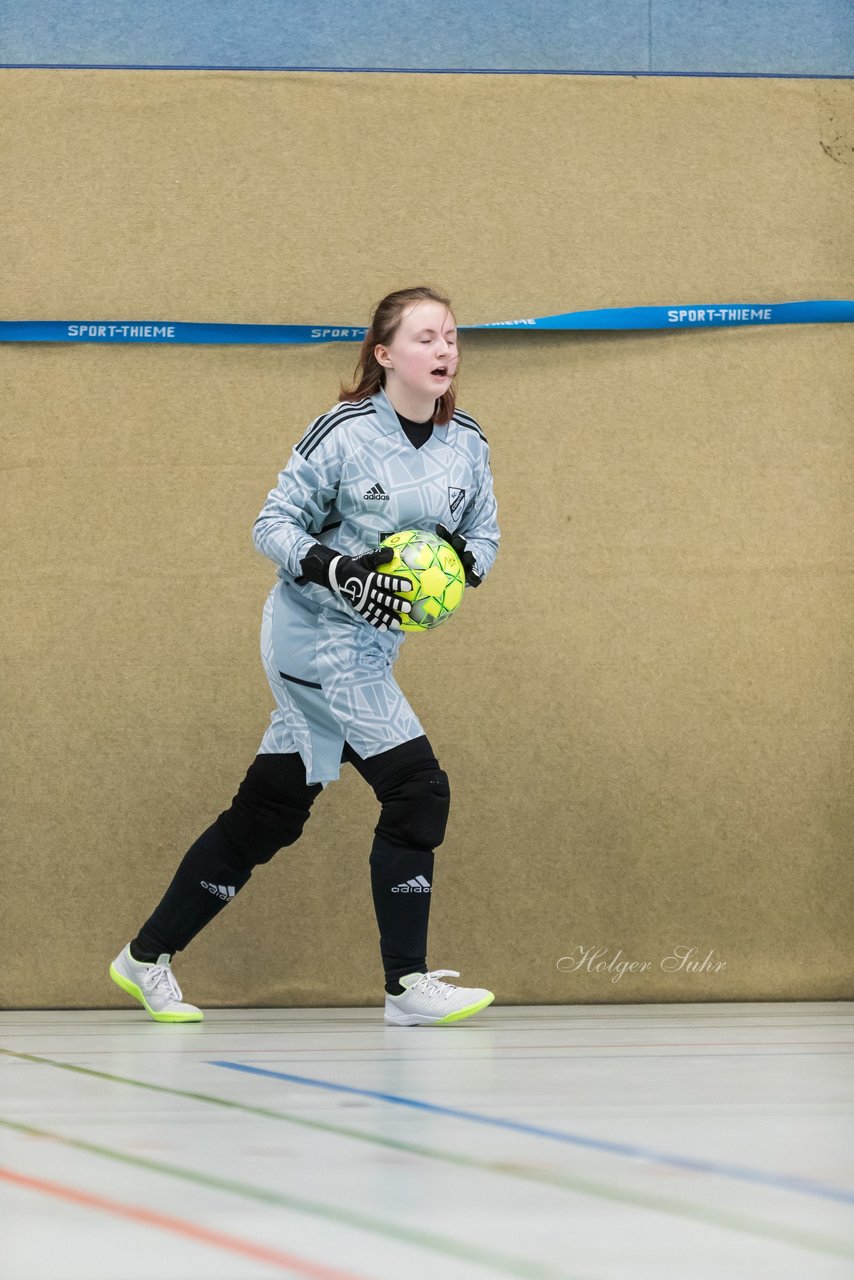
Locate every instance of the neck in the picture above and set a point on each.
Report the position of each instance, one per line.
(413, 406)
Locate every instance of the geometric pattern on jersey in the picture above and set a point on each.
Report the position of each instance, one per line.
(355, 476)
(322, 426)
(331, 679)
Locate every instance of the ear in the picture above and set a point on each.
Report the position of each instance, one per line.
(382, 357)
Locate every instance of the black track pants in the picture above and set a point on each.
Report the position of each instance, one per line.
(269, 812)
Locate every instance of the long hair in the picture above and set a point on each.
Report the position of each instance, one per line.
(369, 374)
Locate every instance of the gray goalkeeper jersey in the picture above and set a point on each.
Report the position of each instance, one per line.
(353, 478)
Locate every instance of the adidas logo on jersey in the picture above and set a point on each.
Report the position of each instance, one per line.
(224, 891)
(377, 493)
(418, 885)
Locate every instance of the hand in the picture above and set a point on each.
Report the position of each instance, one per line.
(458, 542)
(371, 594)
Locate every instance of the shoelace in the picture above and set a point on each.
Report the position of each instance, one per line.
(430, 986)
(159, 975)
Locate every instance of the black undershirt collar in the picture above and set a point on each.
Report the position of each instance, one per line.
(418, 433)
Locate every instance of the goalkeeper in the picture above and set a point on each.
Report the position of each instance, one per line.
(394, 453)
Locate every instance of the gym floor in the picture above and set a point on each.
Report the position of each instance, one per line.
(602, 1141)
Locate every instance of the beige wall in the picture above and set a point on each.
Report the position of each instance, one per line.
(646, 713)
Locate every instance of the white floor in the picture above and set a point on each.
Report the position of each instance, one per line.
(689, 1141)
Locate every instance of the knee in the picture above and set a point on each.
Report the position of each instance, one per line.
(270, 810)
(415, 808)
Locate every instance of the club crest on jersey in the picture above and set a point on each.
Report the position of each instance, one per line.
(456, 497)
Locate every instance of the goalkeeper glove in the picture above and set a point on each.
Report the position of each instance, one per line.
(353, 578)
(458, 542)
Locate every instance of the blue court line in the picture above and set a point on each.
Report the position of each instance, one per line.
(760, 1177)
(418, 71)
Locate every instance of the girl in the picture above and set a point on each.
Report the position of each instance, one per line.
(394, 453)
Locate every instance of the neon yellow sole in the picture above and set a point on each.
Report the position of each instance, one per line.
(133, 990)
(466, 1013)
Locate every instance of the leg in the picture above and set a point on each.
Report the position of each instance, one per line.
(415, 798)
(272, 805)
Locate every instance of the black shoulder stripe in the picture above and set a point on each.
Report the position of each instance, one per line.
(466, 420)
(465, 417)
(324, 417)
(327, 422)
(322, 425)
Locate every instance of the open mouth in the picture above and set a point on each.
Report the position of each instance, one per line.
(441, 372)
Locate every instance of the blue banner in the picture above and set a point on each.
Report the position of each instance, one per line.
(693, 316)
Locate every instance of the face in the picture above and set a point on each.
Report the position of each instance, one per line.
(422, 357)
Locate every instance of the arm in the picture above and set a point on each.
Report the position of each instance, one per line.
(479, 527)
(297, 507)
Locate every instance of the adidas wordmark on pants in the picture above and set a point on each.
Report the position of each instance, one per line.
(224, 891)
(418, 885)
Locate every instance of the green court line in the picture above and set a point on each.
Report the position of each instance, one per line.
(811, 1240)
(401, 1233)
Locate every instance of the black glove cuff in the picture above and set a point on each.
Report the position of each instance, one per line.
(315, 565)
(458, 542)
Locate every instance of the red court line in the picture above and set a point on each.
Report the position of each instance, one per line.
(190, 1230)
(669, 1044)
(501, 1048)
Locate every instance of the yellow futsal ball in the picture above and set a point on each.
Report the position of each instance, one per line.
(436, 572)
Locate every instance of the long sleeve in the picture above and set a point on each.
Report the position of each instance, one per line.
(295, 510)
(479, 525)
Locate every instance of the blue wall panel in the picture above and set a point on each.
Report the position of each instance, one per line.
(810, 37)
(786, 37)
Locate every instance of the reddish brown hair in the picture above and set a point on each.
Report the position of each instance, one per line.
(369, 374)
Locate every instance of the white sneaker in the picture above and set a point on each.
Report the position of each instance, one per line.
(427, 1001)
(154, 986)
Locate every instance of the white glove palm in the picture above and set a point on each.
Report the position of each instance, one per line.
(371, 594)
